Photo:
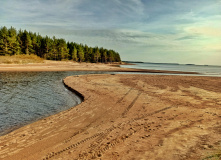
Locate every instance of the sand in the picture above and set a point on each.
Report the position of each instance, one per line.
(127, 117)
(74, 66)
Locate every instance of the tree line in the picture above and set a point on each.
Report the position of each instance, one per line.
(13, 42)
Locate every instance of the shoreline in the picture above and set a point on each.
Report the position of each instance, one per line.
(120, 115)
(73, 66)
(75, 92)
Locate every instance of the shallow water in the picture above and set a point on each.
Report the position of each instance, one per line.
(204, 70)
(28, 96)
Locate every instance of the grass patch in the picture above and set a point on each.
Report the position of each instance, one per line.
(214, 156)
(20, 59)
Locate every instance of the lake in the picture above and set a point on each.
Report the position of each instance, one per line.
(29, 96)
(204, 70)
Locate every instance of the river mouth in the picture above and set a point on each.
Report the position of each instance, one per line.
(26, 97)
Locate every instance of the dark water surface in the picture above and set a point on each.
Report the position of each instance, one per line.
(28, 96)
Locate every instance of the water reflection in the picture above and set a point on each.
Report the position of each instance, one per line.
(28, 96)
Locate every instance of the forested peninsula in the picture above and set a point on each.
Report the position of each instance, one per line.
(23, 42)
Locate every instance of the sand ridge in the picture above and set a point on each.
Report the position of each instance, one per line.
(127, 117)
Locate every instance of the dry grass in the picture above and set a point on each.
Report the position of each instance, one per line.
(20, 59)
(215, 155)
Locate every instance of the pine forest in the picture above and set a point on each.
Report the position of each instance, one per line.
(13, 42)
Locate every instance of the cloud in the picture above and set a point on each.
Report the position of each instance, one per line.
(205, 31)
(153, 29)
(187, 37)
(75, 14)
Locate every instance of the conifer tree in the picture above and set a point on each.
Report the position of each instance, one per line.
(26, 42)
(97, 54)
(74, 55)
(4, 40)
(111, 56)
(13, 45)
(105, 57)
(62, 49)
(86, 54)
(81, 54)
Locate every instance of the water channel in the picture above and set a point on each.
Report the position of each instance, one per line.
(29, 96)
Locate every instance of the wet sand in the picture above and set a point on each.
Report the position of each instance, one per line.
(127, 117)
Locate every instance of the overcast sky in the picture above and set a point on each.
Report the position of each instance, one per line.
(176, 31)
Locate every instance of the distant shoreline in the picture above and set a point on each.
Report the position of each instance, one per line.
(132, 63)
(74, 66)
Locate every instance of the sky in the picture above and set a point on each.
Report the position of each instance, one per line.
(162, 31)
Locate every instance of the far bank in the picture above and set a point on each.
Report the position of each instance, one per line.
(75, 66)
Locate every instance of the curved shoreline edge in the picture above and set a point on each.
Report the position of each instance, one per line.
(81, 96)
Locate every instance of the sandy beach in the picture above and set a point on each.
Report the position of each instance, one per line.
(127, 117)
(74, 66)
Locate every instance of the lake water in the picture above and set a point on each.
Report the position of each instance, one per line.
(204, 70)
(28, 96)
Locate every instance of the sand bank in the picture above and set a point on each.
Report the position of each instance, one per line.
(127, 117)
(73, 66)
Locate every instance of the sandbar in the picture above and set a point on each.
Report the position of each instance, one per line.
(74, 66)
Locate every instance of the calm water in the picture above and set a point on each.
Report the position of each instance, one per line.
(203, 70)
(28, 96)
